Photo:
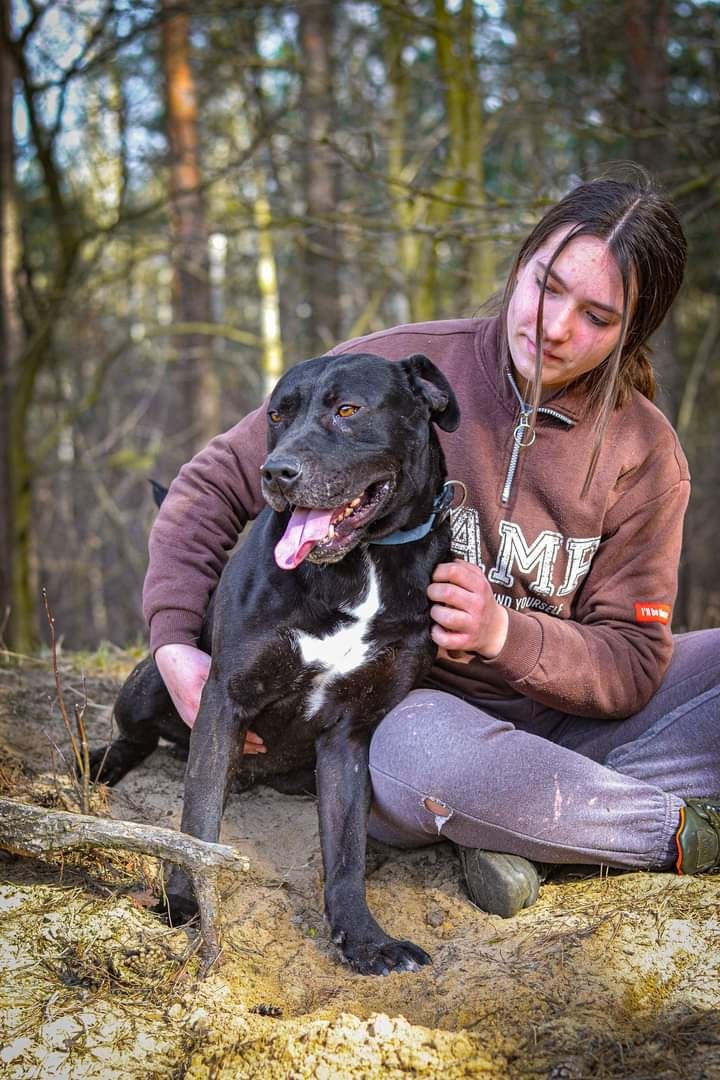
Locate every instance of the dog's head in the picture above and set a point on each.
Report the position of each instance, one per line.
(352, 451)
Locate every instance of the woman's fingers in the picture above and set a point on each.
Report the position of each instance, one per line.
(254, 744)
(464, 613)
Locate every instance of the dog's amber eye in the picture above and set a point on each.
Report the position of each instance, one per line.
(274, 416)
(347, 410)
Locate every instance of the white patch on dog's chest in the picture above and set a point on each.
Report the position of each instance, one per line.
(345, 650)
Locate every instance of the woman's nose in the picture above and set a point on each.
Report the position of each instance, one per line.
(557, 321)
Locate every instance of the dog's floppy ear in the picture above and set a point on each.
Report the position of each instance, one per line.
(430, 383)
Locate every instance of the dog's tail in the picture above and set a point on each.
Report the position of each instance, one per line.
(159, 492)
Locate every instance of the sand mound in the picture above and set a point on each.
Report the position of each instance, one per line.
(604, 977)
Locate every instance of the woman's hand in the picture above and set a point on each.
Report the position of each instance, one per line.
(184, 671)
(466, 618)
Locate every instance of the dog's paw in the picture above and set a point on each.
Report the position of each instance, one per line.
(110, 763)
(384, 957)
(106, 767)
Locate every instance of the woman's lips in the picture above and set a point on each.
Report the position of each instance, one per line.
(546, 355)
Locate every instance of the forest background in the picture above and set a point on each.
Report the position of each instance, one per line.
(194, 197)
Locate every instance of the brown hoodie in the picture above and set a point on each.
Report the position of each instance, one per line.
(588, 583)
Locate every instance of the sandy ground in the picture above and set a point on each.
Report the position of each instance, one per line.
(604, 977)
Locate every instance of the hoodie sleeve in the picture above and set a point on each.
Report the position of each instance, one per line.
(199, 522)
(609, 658)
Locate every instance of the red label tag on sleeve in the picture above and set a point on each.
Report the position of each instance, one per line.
(652, 612)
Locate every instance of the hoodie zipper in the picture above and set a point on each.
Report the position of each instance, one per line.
(519, 435)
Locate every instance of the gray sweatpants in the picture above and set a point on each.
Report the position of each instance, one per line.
(518, 777)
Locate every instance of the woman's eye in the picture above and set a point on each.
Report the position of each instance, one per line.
(596, 320)
(347, 410)
(548, 286)
(274, 416)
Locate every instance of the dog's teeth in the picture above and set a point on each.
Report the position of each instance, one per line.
(356, 502)
(331, 532)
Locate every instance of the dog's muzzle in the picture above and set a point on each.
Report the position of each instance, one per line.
(327, 534)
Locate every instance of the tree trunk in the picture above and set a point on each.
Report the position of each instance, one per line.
(272, 355)
(192, 413)
(320, 172)
(481, 261)
(462, 183)
(409, 208)
(464, 179)
(27, 358)
(646, 76)
(10, 330)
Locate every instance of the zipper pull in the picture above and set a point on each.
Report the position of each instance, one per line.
(523, 426)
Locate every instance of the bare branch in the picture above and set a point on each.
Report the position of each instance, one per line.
(87, 402)
(37, 832)
(74, 742)
(223, 330)
(700, 363)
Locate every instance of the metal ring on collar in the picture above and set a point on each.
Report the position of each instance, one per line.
(453, 484)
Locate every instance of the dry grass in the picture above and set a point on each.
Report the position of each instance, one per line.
(86, 981)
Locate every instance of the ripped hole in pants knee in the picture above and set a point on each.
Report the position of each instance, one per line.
(442, 812)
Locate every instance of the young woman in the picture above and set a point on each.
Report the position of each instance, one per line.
(562, 723)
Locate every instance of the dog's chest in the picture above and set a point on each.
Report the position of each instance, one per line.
(345, 650)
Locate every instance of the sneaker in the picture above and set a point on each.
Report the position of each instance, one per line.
(698, 837)
(498, 883)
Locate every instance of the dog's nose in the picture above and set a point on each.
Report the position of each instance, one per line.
(281, 472)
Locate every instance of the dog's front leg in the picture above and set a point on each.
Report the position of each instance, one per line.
(215, 750)
(343, 782)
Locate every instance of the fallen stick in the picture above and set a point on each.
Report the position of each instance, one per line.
(32, 830)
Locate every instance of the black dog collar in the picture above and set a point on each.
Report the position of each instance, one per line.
(441, 509)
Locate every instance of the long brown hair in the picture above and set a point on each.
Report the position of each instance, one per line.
(643, 234)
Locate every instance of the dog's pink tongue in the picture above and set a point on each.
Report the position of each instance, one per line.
(304, 530)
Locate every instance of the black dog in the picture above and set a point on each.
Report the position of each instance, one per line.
(319, 625)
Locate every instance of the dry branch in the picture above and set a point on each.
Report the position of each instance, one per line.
(30, 830)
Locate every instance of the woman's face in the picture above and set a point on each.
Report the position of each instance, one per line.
(582, 310)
